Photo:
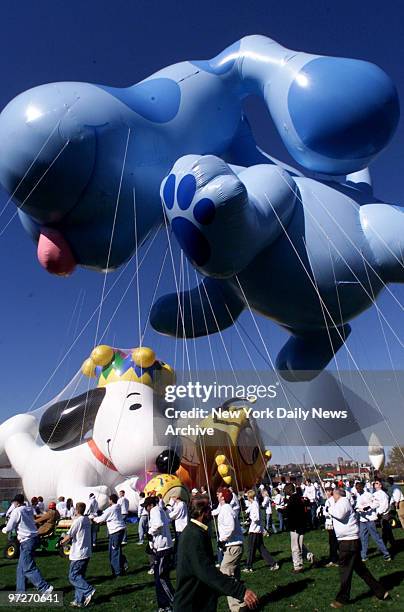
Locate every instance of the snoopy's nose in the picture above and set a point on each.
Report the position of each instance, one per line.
(168, 462)
(46, 153)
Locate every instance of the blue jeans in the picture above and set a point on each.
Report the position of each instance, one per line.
(94, 532)
(125, 535)
(27, 568)
(115, 552)
(269, 524)
(369, 529)
(281, 521)
(143, 522)
(77, 574)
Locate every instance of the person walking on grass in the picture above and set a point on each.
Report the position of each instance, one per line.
(199, 582)
(367, 508)
(296, 517)
(267, 505)
(116, 528)
(161, 545)
(347, 531)
(384, 515)
(329, 527)
(22, 520)
(255, 536)
(124, 503)
(230, 541)
(92, 511)
(79, 535)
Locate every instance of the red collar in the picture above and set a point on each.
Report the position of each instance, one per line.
(100, 455)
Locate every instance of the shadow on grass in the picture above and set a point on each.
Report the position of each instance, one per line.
(389, 582)
(129, 589)
(282, 592)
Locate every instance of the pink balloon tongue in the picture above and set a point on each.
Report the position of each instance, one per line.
(54, 252)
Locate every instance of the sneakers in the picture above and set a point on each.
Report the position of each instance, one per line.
(140, 543)
(151, 572)
(274, 568)
(89, 598)
(365, 560)
(336, 604)
(387, 559)
(75, 604)
(310, 558)
(332, 564)
(247, 570)
(298, 570)
(48, 590)
(385, 596)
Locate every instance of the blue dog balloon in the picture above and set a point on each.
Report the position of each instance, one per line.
(310, 253)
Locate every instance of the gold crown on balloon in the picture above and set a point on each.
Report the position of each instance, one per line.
(138, 365)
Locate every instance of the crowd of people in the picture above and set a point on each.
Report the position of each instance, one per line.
(179, 535)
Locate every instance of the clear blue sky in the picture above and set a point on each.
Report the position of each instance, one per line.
(119, 43)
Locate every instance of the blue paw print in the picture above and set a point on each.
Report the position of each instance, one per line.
(190, 237)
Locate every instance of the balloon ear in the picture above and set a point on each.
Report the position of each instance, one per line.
(64, 424)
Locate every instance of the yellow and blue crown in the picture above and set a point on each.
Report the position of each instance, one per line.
(139, 365)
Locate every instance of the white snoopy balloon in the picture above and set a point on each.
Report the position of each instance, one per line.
(98, 442)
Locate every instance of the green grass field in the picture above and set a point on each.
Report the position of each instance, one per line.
(312, 590)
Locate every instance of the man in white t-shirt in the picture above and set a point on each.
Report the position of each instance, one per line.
(367, 509)
(347, 531)
(124, 503)
(116, 528)
(92, 512)
(61, 507)
(161, 545)
(179, 514)
(230, 541)
(383, 499)
(22, 521)
(79, 535)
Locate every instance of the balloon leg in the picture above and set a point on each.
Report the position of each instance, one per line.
(305, 355)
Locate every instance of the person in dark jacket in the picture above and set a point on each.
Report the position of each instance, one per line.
(296, 519)
(199, 582)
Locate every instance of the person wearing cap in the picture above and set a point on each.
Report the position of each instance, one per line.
(22, 520)
(199, 582)
(230, 541)
(346, 528)
(46, 522)
(79, 535)
(116, 528)
(92, 511)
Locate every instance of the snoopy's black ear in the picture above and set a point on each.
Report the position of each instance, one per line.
(65, 423)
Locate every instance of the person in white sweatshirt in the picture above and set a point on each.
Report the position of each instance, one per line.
(178, 512)
(255, 539)
(22, 521)
(92, 511)
(367, 509)
(161, 545)
(112, 516)
(124, 503)
(346, 529)
(230, 541)
(267, 505)
(383, 509)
